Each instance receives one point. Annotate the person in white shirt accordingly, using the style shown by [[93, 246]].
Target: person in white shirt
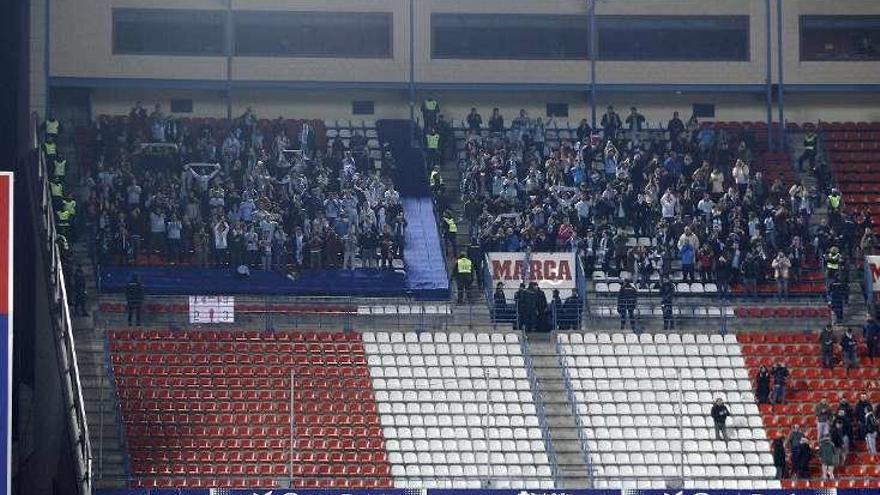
[[221, 230], [741, 176], [668, 204]]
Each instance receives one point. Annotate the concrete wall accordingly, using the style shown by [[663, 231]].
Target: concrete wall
[[81, 48]]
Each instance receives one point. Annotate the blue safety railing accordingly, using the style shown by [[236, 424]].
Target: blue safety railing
[[581, 431], [538, 397]]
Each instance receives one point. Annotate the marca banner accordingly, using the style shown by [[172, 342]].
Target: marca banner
[[549, 270], [211, 309], [872, 273], [6, 326]]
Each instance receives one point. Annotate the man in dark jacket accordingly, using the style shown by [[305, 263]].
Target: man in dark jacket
[[667, 293], [719, 414], [780, 376], [571, 310], [627, 299], [79, 293], [134, 298], [801, 460], [521, 302], [860, 412], [778, 447], [837, 298], [849, 346], [871, 334], [826, 345]]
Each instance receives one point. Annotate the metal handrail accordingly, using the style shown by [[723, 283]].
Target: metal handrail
[[120, 428], [71, 382], [538, 397], [579, 424]]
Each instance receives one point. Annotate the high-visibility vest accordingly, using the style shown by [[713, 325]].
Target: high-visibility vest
[[834, 201], [60, 168], [64, 217], [436, 178], [833, 262], [450, 225], [56, 189], [49, 148], [52, 127], [810, 142], [464, 266], [70, 206], [433, 141], [431, 104]]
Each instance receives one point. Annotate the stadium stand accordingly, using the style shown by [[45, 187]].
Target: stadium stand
[[214, 408], [809, 383], [601, 192], [854, 152], [456, 409], [644, 402]]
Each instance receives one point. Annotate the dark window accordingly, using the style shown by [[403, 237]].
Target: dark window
[[557, 109], [168, 32], [181, 105], [840, 37], [680, 38], [365, 107], [500, 36], [313, 34], [704, 110]]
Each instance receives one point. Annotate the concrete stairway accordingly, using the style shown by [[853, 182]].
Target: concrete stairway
[[572, 469]]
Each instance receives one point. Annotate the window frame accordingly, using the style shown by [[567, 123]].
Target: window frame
[[433, 40], [389, 16], [649, 18], [804, 19], [114, 50]]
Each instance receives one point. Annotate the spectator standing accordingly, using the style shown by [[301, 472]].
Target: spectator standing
[[780, 376], [871, 427], [828, 457], [794, 440], [801, 460], [499, 302], [778, 449], [849, 348], [781, 271], [823, 418], [611, 123], [496, 122], [826, 345], [809, 154], [675, 128], [430, 110], [79, 292], [667, 294], [859, 412], [627, 298], [719, 414], [762, 391], [134, 299], [837, 294], [474, 122]]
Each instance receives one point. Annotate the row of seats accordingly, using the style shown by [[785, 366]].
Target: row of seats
[[304, 448], [452, 404], [782, 312], [232, 336], [201, 348], [633, 399], [289, 309], [254, 482], [680, 287], [809, 384]]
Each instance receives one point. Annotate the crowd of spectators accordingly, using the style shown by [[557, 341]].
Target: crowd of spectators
[[692, 188], [246, 193], [837, 429]]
